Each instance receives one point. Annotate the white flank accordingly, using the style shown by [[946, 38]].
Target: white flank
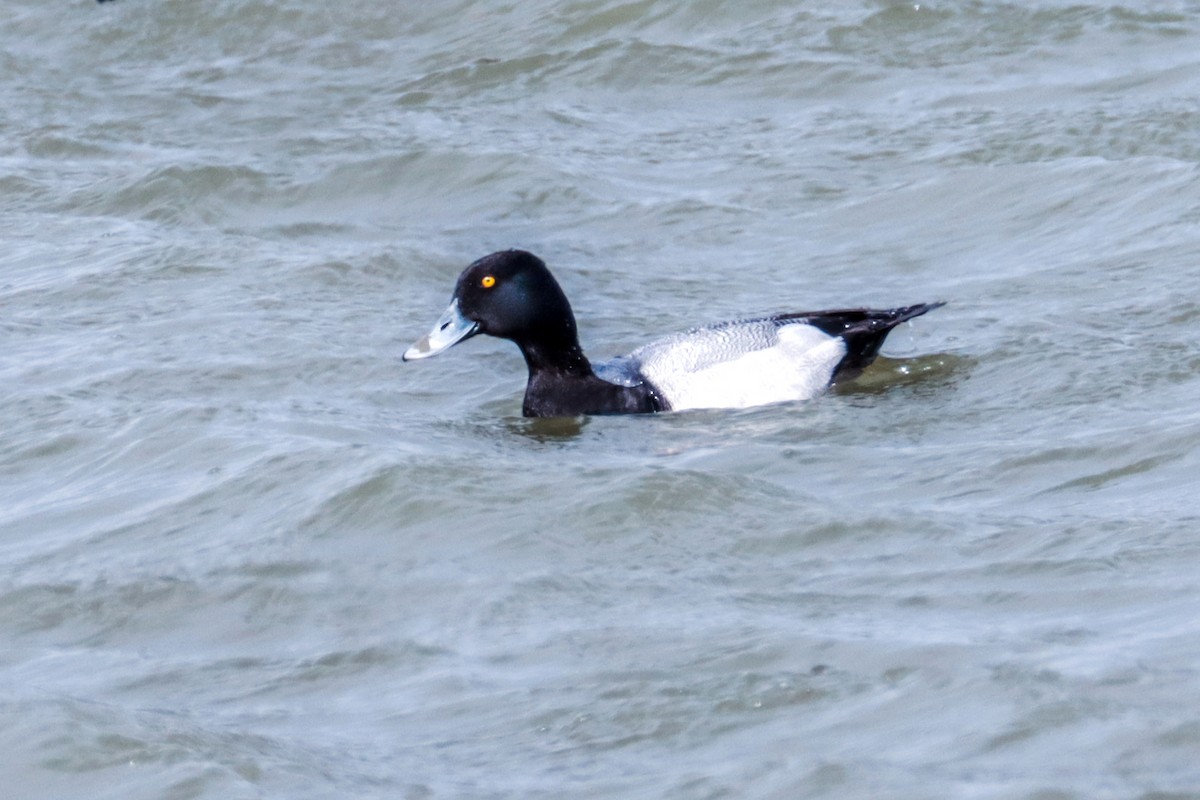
[[716, 371]]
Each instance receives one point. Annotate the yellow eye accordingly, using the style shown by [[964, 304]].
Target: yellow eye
[[488, 281]]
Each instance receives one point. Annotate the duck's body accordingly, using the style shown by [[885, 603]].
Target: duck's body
[[795, 356]]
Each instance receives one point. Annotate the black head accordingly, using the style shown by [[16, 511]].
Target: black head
[[511, 294]]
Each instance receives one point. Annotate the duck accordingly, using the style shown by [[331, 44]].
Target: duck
[[792, 356]]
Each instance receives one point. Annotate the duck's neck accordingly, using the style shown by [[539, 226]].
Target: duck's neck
[[564, 358]]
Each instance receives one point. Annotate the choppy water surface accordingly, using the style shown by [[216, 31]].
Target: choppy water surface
[[245, 552]]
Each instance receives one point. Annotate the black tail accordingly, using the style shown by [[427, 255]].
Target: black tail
[[863, 329]]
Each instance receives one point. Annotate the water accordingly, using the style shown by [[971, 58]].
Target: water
[[245, 552]]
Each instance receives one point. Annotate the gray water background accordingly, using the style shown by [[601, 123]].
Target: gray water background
[[247, 553]]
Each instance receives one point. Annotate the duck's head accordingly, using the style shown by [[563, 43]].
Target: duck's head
[[510, 294]]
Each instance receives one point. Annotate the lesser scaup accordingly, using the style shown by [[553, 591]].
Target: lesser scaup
[[795, 356]]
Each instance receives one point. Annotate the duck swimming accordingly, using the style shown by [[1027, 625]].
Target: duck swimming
[[793, 356]]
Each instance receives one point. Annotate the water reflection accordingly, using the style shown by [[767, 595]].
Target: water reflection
[[885, 374], [548, 429]]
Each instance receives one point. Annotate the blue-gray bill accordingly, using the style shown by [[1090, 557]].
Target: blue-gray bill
[[450, 329]]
